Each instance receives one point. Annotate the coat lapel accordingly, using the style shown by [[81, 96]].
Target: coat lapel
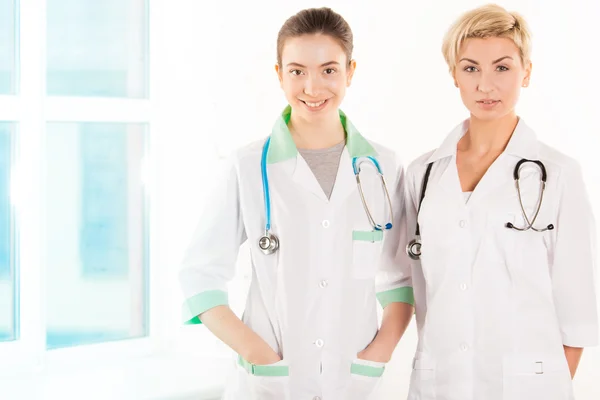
[[345, 181], [304, 177], [522, 144], [497, 175], [449, 181]]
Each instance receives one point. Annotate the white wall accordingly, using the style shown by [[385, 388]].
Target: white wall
[[401, 96]]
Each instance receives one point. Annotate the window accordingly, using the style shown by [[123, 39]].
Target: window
[[96, 209], [97, 48], [88, 290], [8, 312], [97, 233], [8, 57]]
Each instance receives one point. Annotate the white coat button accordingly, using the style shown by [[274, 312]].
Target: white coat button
[[464, 286], [319, 343], [325, 224], [316, 398], [464, 347], [463, 223], [323, 284]]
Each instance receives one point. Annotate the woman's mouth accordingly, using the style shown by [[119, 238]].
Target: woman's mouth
[[315, 106]]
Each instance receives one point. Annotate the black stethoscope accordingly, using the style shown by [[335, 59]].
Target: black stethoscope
[[413, 248]]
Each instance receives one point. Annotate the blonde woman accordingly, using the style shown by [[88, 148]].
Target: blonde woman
[[503, 270]]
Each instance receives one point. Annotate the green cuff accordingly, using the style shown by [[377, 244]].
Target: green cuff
[[264, 370], [398, 295], [194, 306], [367, 370]]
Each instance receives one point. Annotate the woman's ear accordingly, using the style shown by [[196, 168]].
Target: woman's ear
[[351, 69], [527, 77], [279, 74]]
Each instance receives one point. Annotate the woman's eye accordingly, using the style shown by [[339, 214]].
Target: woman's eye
[[502, 68], [330, 71], [471, 69], [295, 72]]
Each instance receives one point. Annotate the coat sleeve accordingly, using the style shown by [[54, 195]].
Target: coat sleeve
[[209, 261], [573, 262], [393, 280]]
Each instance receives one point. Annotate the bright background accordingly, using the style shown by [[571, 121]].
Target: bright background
[[114, 116]]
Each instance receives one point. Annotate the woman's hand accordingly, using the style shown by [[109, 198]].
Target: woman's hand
[[375, 353], [396, 317], [262, 356]]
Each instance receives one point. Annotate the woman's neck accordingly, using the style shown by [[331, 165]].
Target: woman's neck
[[488, 136], [321, 134]]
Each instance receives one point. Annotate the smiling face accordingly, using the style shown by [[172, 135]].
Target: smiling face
[[490, 73], [314, 74]]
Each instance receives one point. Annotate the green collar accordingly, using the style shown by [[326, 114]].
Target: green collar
[[282, 146]]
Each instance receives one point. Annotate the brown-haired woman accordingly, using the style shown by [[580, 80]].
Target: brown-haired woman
[[326, 237]]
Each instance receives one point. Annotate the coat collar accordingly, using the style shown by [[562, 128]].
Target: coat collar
[[282, 146], [523, 142]]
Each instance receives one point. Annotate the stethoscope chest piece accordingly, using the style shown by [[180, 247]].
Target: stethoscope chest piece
[[268, 243], [413, 249]]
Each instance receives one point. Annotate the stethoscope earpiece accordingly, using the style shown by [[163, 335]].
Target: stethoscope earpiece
[[548, 228]]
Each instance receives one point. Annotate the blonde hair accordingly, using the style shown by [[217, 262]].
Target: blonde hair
[[485, 22]]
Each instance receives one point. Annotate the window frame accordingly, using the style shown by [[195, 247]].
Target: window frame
[[31, 109]]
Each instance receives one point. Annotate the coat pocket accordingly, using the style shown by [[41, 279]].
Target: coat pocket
[[267, 382], [364, 379], [422, 380], [366, 250], [528, 376]]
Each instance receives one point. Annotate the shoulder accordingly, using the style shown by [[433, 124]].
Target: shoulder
[[247, 155], [555, 157], [421, 161], [416, 169], [560, 166], [387, 156]]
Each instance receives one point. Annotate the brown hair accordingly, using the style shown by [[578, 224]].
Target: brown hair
[[316, 21]]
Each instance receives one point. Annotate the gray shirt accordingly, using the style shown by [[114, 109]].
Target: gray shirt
[[324, 164]]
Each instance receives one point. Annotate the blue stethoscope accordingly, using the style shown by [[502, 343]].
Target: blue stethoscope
[[269, 243]]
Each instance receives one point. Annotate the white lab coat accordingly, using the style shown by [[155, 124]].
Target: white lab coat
[[495, 306], [313, 301]]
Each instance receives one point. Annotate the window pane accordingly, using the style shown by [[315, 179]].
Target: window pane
[[7, 47], [7, 234], [97, 48], [96, 233]]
